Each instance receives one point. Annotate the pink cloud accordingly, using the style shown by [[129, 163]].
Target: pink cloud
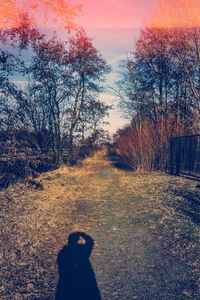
[[115, 13]]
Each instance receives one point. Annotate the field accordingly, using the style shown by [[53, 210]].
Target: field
[[145, 229]]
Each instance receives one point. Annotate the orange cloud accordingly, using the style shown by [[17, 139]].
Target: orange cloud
[[9, 14], [176, 13], [39, 11]]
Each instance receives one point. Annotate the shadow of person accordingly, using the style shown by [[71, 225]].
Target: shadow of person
[[76, 276]]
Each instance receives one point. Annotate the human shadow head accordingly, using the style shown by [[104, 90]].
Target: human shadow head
[[76, 276], [73, 238]]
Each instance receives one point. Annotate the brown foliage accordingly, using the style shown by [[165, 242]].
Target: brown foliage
[[146, 147]]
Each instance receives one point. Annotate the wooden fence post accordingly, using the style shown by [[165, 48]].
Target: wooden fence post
[[178, 148], [171, 157], [190, 155]]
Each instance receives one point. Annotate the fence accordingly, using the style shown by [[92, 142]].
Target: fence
[[185, 155]]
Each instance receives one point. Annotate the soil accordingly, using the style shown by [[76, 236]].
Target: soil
[[145, 229]]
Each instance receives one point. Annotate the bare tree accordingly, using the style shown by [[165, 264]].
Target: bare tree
[[62, 80], [161, 78]]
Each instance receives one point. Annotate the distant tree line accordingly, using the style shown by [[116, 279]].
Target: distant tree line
[[159, 92], [49, 89]]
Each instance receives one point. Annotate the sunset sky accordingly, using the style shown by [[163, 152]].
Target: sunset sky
[[113, 24], [115, 13]]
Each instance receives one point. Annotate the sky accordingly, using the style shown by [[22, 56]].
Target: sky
[[115, 13], [114, 25]]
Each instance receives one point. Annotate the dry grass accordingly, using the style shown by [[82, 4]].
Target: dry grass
[[109, 204]]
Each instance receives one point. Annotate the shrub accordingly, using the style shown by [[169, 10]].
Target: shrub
[[146, 146]]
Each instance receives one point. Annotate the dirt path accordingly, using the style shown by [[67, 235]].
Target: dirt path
[[145, 228]]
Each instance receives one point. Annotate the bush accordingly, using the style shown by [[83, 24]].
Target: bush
[[146, 146]]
